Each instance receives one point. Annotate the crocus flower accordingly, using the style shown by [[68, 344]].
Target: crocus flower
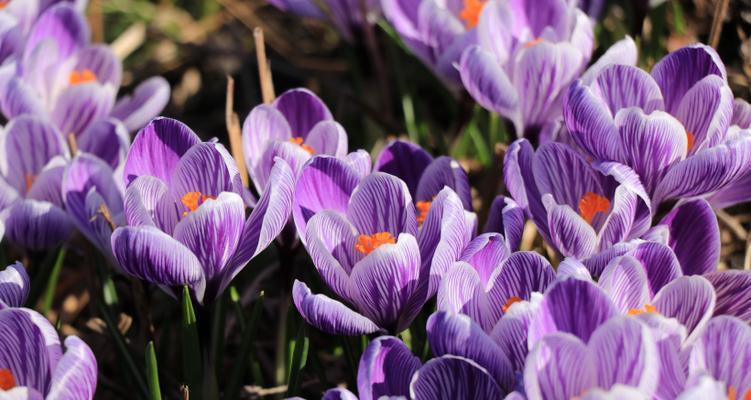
[[375, 256], [348, 16], [185, 212], [33, 162], [528, 52], [296, 126], [670, 127], [74, 83], [738, 191], [34, 365], [578, 207], [507, 218], [14, 286]]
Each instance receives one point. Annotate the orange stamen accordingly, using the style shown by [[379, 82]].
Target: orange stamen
[[690, 140], [648, 309], [510, 302], [533, 42], [299, 141], [471, 12], [423, 207], [83, 76], [7, 381], [193, 200], [367, 243], [4, 3], [29, 178], [731, 392], [592, 203]]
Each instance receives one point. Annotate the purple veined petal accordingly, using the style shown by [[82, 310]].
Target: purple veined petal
[[205, 169], [25, 348], [438, 27], [627, 178], [36, 225], [23, 13], [14, 285], [522, 274], [385, 369], [650, 143], [741, 114], [383, 283], [583, 35], [562, 172], [506, 217], [295, 155], [733, 289], [297, 7], [572, 306], [694, 236], [487, 82], [338, 394], [492, 32], [264, 124], [143, 202], [707, 171], [680, 70], [145, 103], [331, 242], [101, 223], [619, 222], [569, 233], [402, 14], [462, 291], [29, 143], [559, 366], [19, 98], [669, 335], [625, 281], [535, 19], [590, 122], [382, 203], [22, 393], [46, 186], [738, 191], [705, 111], [659, 262], [324, 183], [446, 62], [444, 171], [597, 263], [212, 233], [266, 221], [101, 60], [455, 378], [360, 161], [75, 376], [571, 268], [518, 166], [405, 160], [157, 149], [485, 254], [80, 105], [302, 109], [150, 254], [107, 139], [724, 353], [328, 137], [617, 392], [510, 333], [457, 334], [705, 388], [328, 315], [65, 26], [622, 52], [625, 86], [690, 300]]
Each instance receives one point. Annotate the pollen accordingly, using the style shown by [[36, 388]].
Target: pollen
[[592, 203], [193, 200], [367, 243], [422, 208], [82, 76], [299, 141], [7, 381], [29, 180], [648, 309], [689, 141], [471, 12], [533, 42], [510, 302]]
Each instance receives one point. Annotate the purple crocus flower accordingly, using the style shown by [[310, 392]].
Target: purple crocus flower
[[527, 54], [296, 126], [33, 162], [14, 286], [507, 218], [670, 127], [370, 250], [185, 211], [578, 207], [348, 16], [34, 365], [738, 191]]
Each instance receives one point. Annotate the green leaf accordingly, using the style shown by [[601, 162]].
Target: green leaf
[[299, 360], [152, 373], [49, 293], [190, 346]]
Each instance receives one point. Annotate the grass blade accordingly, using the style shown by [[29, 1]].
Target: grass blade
[[299, 360], [246, 347], [190, 346], [152, 373], [49, 293], [122, 348]]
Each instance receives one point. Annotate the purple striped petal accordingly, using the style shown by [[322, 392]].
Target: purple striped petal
[[263, 125], [206, 168], [360, 162], [328, 315], [506, 217], [511, 331], [444, 171], [19, 98], [741, 114], [733, 289], [338, 394], [659, 262], [485, 254], [486, 81], [724, 353], [331, 242], [145, 103], [562, 172], [382, 203], [25, 348], [522, 274], [75, 376], [706, 111], [101, 60], [559, 367], [404, 159], [14, 285], [29, 144], [290, 152], [107, 139], [625, 281], [328, 137], [624, 86], [455, 378], [590, 122], [65, 26], [79, 106], [143, 203], [569, 232], [690, 300], [694, 236], [622, 52], [303, 110], [36, 225], [385, 369]]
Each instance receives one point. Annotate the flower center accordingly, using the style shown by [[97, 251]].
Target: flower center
[[689, 140], [471, 12], [367, 243], [510, 302], [7, 381], [29, 181], [422, 207], [592, 203], [533, 42], [647, 309], [298, 141], [193, 200], [83, 76]]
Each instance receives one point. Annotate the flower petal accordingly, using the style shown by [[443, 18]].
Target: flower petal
[[559, 366], [625, 281], [303, 110], [694, 236], [328, 137], [328, 315], [569, 233], [331, 244], [145, 103], [506, 217], [79, 106], [14, 285], [382, 203], [107, 139], [444, 171], [706, 111], [75, 376], [690, 300], [487, 82], [29, 143], [62, 24], [101, 60], [206, 168], [733, 289], [522, 274], [24, 348], [659, 262], [37, 225], [385, 369], [405, 160], [455, 378], [724, 353]]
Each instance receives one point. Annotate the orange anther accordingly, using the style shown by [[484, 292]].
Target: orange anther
[[592, 203], [510, 302], [7, 381], [533, 42], [193, 200], [299, 141], [83, 76], [471, 12], [29, 180], [422, 207], [647, 309], [689, 140], [367, 243]]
